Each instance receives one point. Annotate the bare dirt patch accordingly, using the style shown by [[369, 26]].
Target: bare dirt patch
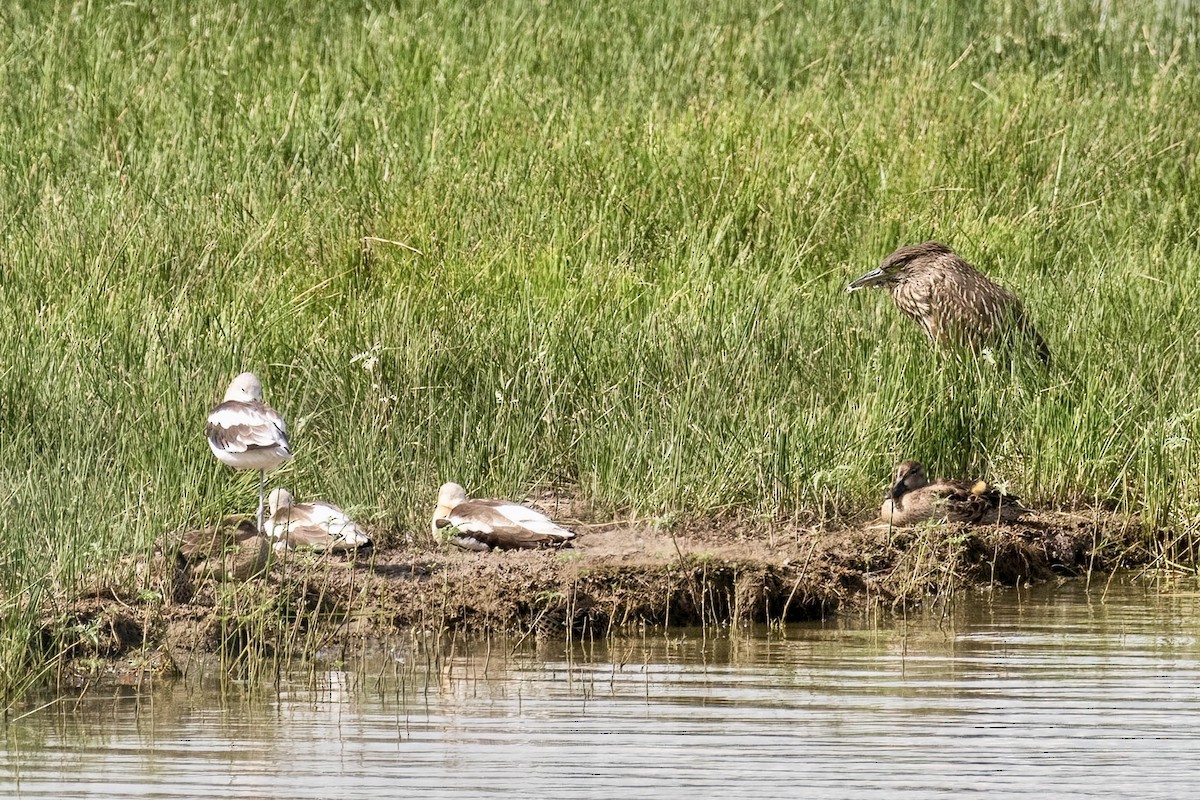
[[726, 571]]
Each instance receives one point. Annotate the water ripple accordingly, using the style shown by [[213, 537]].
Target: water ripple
[[1058, 692]]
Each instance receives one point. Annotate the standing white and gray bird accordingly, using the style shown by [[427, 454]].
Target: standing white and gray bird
[[319, 526], [474, 524], [247, 434]]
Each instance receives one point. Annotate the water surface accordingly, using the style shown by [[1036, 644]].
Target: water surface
[[1059, 691]]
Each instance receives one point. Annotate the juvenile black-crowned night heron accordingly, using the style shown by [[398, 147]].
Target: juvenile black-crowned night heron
[[914, 499], [952, 301]]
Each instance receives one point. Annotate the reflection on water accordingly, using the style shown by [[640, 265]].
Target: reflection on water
[[1055, 691]]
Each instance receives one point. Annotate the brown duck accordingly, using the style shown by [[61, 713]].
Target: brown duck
[[232, 550], [914, 499]]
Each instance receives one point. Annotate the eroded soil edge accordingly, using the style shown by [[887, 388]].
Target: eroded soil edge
[[713, 572]]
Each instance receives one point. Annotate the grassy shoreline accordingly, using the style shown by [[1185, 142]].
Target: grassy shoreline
[[719, 574], [625, 234]]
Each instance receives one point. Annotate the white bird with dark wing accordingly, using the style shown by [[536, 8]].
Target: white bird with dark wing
[[493, 524], [319, 526], [247, 434]]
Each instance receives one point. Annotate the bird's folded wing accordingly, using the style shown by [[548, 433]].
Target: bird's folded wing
[[528, 518], [479, 535], [238, 427], [319, 538], [307, 536], [326, 515]]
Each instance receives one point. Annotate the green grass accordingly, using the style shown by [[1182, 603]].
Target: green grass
[[634, 224]]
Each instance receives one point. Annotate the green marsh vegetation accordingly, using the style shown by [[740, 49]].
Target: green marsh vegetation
[[600, 247]]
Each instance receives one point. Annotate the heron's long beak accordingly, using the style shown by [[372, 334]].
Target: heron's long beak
[[872, 278]]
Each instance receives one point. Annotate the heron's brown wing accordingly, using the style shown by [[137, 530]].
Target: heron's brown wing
[[966, 307], [976, 311]]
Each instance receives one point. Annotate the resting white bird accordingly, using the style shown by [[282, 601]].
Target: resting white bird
[[320, 526], [493, 524], [247, 434]]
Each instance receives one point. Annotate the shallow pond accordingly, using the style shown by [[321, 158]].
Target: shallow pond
[[1064, 691]]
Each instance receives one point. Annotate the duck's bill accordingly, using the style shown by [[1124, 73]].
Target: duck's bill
[[872, 278]]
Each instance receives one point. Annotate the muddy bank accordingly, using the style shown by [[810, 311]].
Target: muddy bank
[[727, 571]]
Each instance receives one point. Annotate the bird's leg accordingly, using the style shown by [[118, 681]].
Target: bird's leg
[[262, 484]]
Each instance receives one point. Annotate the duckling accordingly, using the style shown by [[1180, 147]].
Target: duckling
[[493, 524], [319, 526], [914, 499]]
